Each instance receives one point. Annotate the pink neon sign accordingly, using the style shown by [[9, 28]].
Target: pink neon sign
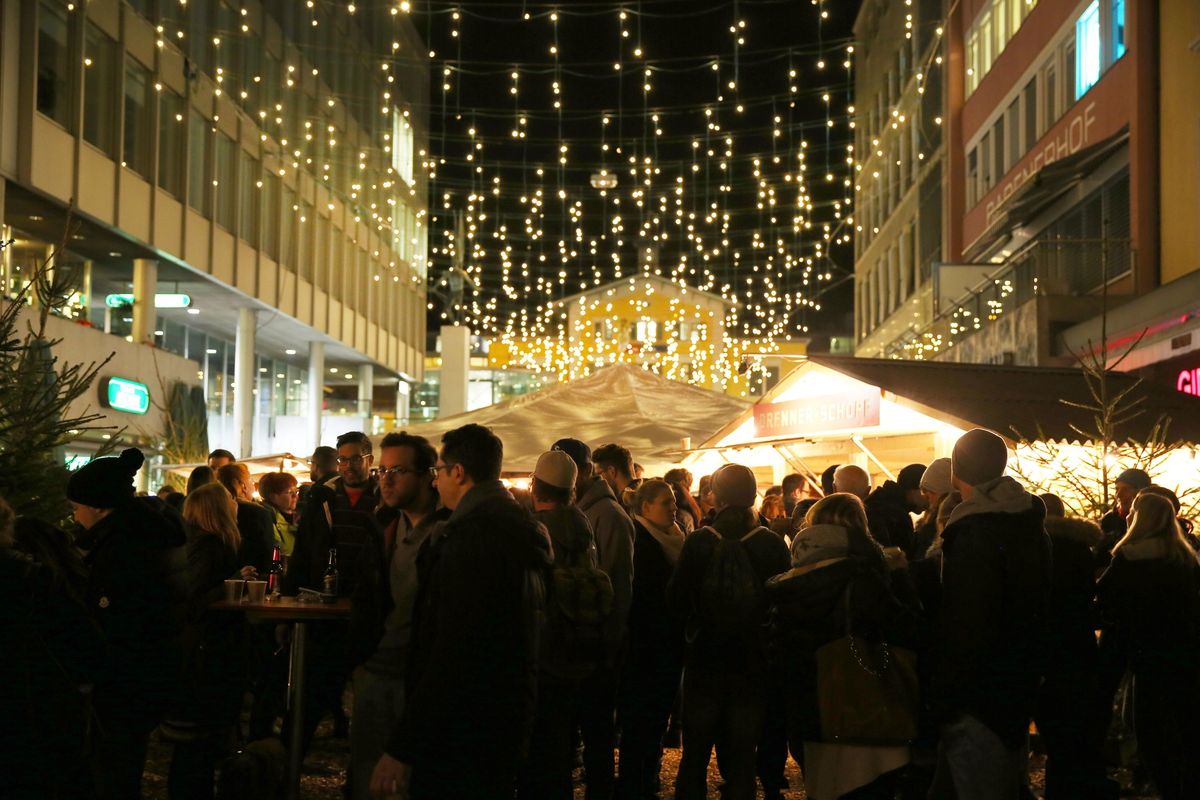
[[1188, 382]]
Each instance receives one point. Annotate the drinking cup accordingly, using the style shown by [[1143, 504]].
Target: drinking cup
[[257, 591], [233, 590]]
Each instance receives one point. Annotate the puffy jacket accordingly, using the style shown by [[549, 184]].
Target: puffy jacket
[[612, 529]]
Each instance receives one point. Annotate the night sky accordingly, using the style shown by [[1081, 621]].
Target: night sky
[[527, 250]]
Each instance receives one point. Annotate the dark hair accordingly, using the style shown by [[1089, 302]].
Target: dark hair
[[424, 456], [324, 457], [355, 437], [546, 493], [221, 453], [792, 483], [801, 509], [678, 474], [614, 455], [478, 450], [175, 500], [274, 482], [1163, 491], [200, 476], [773, 491], [827, 478], [1054, 505]]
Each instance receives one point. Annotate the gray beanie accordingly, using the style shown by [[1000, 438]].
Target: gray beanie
[[734, 485], [979, 456], [936, 478]]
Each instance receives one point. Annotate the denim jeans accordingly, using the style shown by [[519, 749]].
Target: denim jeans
[[725, 709], [974, 764], [378, 703]]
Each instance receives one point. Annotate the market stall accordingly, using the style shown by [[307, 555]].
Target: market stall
[[883, 414]]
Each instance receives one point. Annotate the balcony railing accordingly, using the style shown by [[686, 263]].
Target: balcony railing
[[1070, 267]]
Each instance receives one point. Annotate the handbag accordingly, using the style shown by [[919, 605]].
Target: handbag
[[867, 693]]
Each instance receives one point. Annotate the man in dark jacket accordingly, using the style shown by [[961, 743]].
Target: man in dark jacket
[[991, 646], [1114, 523], [382, 609], [137, 593], [340, 517], [891, 506], [724, 695], [472, 679], [612, 530]]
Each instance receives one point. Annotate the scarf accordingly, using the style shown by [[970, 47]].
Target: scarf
[[1003, 495], [669, 539], [820, 543]]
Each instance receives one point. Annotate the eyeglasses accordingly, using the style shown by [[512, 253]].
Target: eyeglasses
[[352, 459], [439, 467], [395, 472]]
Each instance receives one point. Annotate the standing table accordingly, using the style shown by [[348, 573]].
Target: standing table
[[290, 610]]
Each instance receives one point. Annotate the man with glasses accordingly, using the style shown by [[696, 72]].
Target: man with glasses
[[340, 516], [472, 676], [381, 616]]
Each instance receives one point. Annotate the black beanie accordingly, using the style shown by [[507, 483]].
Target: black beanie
[[979, 456], [910, 477], [105, 482]]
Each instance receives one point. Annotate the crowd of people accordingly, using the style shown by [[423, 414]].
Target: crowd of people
[[895, 641]]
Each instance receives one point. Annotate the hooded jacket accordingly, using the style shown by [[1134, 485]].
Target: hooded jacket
[[472, 674], [137, 593], [613, 532], [996, 585], [1071, 622]]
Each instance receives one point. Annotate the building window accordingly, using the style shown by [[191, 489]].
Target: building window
[[1049, 96], [197, 163], [1118, 28], [1087, 49], [54, 75], [138, 145], [972, 177], [402, 147], [645, 330], [100, 76], [225, 181], [269, 198], [1029, 112], [170, 142], [291, 231], [249, 195]]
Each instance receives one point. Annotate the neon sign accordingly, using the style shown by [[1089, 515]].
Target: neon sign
[[123, 394], [1188, 382]]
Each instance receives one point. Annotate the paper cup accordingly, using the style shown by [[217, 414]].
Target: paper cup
[[257, 591], [233, 591]]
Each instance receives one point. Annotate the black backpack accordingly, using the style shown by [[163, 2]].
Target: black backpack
[[732, 595]]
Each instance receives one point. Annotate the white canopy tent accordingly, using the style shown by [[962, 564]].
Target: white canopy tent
[[649, 414]]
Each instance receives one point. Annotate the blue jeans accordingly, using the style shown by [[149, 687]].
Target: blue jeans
[[974, 764]]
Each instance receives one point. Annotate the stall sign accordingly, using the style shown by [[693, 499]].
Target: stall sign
[[123, 394], [1188, 382], [831, 412]]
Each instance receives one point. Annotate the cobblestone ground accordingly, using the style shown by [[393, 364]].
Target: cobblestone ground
[[323, 773]]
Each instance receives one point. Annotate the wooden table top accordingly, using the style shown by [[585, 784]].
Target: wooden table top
[[284, 609]]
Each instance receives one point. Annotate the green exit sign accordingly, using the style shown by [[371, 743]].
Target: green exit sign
[[123, 394]]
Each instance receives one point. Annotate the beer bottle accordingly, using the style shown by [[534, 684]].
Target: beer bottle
[[331, 574], [276, 574]]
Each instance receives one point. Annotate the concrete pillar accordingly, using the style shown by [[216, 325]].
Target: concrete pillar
[[245, 378], [145, 286], [366, 389], [456, 369], [403, 400], [316, 389]]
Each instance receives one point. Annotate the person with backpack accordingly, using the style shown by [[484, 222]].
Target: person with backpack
[[650, 679], [580, 599], [719, 586]]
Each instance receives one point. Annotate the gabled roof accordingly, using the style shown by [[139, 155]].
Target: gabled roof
[[635, 280], [1016, 400]]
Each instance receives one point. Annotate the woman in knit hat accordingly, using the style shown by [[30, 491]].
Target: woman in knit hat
[[136, 590]]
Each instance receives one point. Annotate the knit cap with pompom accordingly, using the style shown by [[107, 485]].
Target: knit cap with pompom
[[106, 482]]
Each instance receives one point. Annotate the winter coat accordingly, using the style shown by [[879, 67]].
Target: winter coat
[[769, 557], [996, 585], [1071, 623], [612, 530], [888, 517], [137, 593], [809, 611], [353, 525], [216, 657], [256, 525], [572, 546], [655, 630], [51, 651], [1153, 604], [472, 674]]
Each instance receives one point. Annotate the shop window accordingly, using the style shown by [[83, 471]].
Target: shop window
[[54, 69], [138, 145], [170, 142], [1087, 49], [198, 163], [101, 72]]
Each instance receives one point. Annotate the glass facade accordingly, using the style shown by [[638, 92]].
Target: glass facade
[[54, 63]]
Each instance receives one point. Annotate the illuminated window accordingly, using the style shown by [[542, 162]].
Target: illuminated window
[[402, 147], [1087, 49], [1118, 28], [646, 330]]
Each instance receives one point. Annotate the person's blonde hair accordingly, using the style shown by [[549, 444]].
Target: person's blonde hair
[[212, 509], [772, 507], [650, 490], [1152, 518], [840, 508]]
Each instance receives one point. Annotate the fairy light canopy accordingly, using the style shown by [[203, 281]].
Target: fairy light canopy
[[578, 144]]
